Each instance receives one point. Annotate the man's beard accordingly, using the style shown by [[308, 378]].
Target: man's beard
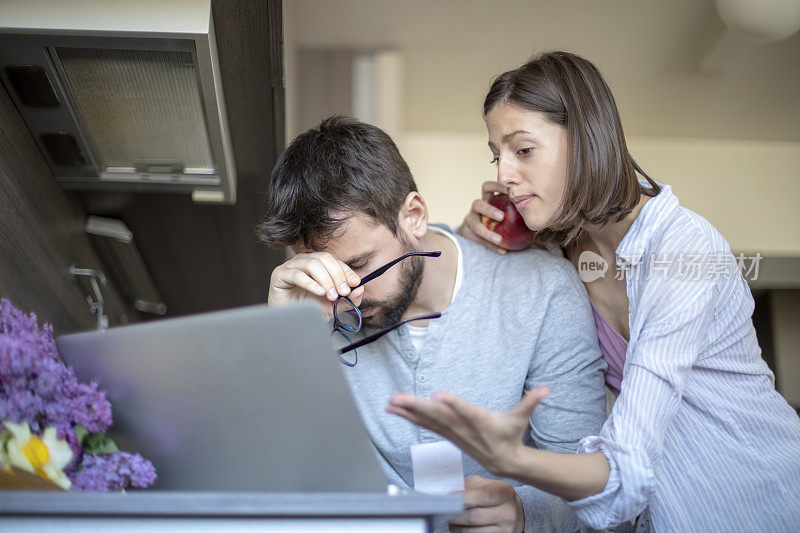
[[391, 311]]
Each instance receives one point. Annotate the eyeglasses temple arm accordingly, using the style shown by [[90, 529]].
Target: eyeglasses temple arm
[[377, 272], [377, 335]]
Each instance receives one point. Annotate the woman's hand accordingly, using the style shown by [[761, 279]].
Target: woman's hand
[[472, 228], [492, 438]]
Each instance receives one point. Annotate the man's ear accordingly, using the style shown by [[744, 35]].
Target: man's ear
[[413, 216]]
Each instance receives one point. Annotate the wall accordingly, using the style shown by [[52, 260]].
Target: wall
[[41, 233], [747, 189]]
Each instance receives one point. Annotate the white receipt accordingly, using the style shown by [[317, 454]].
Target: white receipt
[[437, 467]]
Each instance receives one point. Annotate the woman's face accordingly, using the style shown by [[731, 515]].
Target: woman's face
[[531, 157]]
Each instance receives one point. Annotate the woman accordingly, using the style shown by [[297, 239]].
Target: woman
[[698, 438]]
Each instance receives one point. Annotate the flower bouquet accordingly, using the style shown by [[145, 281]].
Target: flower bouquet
[[51, 426]]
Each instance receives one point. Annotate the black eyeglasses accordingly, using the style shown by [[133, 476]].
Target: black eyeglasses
[[347, 317]]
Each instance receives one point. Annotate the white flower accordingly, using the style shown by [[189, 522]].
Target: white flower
[[46, 456]]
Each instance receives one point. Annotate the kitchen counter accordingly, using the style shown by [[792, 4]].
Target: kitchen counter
[[231, 511]]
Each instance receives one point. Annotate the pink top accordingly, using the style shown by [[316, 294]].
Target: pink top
[[613, 346]]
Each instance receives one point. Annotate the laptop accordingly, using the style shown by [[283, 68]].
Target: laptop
[[249, 399]]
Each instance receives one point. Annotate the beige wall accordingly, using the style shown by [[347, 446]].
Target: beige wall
[[747, 189], [673, 69]]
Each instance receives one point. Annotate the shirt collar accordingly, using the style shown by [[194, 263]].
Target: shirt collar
[[637, 240]]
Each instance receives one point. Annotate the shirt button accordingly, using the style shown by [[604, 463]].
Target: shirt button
[[423, 379]]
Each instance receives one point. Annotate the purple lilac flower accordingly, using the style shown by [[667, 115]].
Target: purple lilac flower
[[38, 388], [113, 472]]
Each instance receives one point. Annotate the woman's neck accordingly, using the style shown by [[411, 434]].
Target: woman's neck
[[607, 238]]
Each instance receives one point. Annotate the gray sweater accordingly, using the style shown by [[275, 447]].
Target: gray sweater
[[518, 321]]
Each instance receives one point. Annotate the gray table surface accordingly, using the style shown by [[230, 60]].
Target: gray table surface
[[226, 504]]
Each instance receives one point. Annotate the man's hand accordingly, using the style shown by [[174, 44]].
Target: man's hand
[[316, 276], [494, 506]]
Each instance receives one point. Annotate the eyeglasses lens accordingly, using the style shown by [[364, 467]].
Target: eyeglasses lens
[[340, 340], [347, 316]]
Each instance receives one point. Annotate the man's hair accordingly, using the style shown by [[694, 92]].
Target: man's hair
[[329, 173], [601, 185]]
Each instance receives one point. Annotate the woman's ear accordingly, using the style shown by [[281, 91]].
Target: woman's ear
[[413, 216]]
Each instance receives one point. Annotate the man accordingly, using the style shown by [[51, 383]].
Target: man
[[345, 201]]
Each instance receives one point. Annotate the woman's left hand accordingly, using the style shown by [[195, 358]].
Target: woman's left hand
[[493, 438]]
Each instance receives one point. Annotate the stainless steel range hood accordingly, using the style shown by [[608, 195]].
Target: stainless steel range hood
[[121, 95]]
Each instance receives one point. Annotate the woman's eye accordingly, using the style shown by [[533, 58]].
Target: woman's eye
[[524, 152], [494, 161], [359, 266]]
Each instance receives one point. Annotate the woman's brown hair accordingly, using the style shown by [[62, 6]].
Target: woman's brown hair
[[601, 184]]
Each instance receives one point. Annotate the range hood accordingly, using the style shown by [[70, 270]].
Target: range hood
[[121, 95]]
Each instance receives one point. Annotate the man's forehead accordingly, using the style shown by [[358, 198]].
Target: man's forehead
[[346, 254], [357, 238]]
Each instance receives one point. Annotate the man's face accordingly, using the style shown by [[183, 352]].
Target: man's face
[[364, 245]]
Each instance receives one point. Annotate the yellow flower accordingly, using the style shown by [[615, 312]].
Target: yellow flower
[[46, 456]]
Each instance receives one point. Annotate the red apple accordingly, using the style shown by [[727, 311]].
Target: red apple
[[516, 235]]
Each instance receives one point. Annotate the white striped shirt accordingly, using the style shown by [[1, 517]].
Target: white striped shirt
[[698, 434]]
